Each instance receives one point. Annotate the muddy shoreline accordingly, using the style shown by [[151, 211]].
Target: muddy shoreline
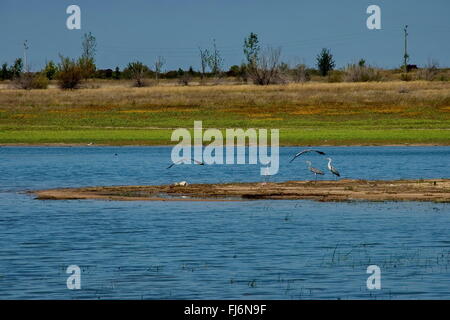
[[434, 190]]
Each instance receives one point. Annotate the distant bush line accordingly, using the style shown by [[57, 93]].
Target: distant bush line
[[262, 66]]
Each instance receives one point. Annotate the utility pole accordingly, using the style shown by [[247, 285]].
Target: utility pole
[[25, 48], [406, 56]]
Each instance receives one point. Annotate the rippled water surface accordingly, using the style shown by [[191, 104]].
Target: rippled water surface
[[217, 250]]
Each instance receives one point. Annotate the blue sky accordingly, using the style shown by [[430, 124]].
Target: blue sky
[[129, 30]]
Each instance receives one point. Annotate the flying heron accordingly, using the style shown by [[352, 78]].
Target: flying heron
[[332, 169], [200, 163], [306, 151], [314, 170]]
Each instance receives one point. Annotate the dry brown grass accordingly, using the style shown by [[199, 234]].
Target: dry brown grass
[[317, 106]]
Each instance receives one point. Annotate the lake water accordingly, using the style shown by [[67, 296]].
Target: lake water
[[217, 250]]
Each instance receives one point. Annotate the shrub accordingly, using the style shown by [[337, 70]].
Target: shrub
[[136, 71], [87, 67], [405, 77], [70, 74], [301, 73], [184, 79], [40, 81], [267, 68], [430, 72], [335, 76], [362, 73], [29, 80]]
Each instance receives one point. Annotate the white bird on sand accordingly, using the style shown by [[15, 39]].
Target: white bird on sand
[[306, 151], [200, 163], [332, 169], [314, 170]]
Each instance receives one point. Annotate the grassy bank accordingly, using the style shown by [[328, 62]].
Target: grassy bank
[[315, 113]]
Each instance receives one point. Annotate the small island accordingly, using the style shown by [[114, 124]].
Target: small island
[[433, 190]]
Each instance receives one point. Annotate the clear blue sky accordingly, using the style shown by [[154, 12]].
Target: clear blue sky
[[142, 29]]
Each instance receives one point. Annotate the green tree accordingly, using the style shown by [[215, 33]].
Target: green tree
[[116, 74], [251, 49], [16, 68], [50, 70], [4, 72], [325, 62]]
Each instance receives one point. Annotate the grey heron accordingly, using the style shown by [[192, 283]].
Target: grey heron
[[306, 151], [314, 170], [200, 163], [332, 169]]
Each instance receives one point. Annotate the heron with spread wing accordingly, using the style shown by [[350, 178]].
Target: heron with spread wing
[[306, 151], [200, 163]]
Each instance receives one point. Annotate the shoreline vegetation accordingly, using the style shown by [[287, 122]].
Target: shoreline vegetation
[[435, 190], [312, 113]]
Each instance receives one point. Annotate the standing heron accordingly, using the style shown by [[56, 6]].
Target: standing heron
[[332, 169], [306, 151], [314, 170]]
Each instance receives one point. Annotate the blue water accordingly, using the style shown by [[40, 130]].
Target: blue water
[[217, 250]]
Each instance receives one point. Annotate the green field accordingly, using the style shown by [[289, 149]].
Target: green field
[[306, 114]]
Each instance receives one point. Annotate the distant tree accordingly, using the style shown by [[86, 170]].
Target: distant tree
[[159, 63], [89, 46], [184, 77], [325, 62], [50, 70], [251, 49], [267, 69], [215, 60], [172, 74], [362, 63], [87, 59], [116, 74], [301, 73], [137, 72], [204, 58], [4, 72], [234, 71], [17, 68], [104, 73]]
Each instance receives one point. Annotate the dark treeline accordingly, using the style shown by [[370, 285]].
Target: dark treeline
[[261, 66]]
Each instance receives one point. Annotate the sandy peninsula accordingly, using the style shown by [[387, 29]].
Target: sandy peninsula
[[436, 190]]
